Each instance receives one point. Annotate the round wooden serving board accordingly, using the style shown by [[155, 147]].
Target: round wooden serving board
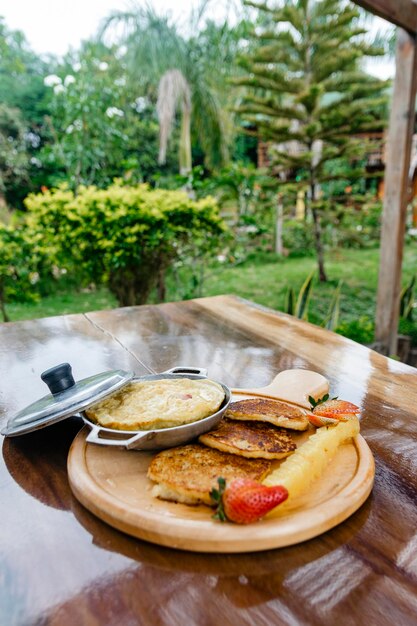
[[112, 484]]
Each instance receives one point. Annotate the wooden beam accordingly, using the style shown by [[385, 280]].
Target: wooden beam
[[400, 135], [402, 13]]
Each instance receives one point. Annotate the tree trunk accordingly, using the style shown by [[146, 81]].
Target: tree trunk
[[241, 200], [185, 142], [161, 286], [77, 176], [317, 236], [3, 208], [300, 207], [278, 225], [132, 287], [6, 318]]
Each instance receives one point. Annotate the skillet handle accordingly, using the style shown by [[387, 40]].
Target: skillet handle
[[200, 371], [129, 443]]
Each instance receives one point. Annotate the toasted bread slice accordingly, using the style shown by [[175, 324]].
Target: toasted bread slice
[[253, 440], [188, 473], [268, 410]]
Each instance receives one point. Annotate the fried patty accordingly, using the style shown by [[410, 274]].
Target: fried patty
[[267, 410], [159, 403], [254, 440], [188, 473]]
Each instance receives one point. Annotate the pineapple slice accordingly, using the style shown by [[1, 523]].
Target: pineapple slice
[[310, 460]]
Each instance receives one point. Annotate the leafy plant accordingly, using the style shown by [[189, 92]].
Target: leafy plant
[[299, 307], [190, 70], [23, 107], [297, 238], [89, 118], [332, 319], [314, 403], [289, 306], [14, 159], [407, 324], [407, 300], [23, 259], [408, 327], [361, 330], [125, 237], [303, 298], [353, 221]]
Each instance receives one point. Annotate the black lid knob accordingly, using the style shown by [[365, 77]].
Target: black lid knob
[[58, 378]]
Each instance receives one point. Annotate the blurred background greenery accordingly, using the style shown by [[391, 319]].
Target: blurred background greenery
[[158, 162]]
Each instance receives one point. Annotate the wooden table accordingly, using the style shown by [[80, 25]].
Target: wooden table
[[62, 566]]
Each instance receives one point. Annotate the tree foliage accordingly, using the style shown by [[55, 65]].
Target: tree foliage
[[205, 59], [23, 105], [309, 96], [101, 127], [14, 159], [21, 76]]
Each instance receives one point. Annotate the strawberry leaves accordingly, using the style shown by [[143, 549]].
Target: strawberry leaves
[[314, 403], [329, 411], [217, 497]]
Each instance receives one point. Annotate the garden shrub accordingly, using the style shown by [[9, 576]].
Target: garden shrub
[[125, 237], [408, 327], [23, 261], [356, 223], [297, 237], [361, 330]]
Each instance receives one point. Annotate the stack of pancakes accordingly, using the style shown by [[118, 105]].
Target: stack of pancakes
[[250, 436]]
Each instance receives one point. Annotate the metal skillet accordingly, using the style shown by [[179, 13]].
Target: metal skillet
[[68, 398], [158, 439]]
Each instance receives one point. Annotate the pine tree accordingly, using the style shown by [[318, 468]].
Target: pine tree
[[308, 96]]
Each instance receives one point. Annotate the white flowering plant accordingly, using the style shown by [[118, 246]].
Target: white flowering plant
[[101, 127]]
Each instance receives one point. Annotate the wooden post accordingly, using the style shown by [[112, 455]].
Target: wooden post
[[397, 181], [402, 13]]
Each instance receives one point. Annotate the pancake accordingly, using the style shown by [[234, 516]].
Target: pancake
[[268, 410], [154, 404], [253, 440], [188, 473]]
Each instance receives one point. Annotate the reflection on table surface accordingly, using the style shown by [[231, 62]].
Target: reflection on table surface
[[62, 565]]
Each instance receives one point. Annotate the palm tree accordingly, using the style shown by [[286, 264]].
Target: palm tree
[[190, 70], [173, 88]]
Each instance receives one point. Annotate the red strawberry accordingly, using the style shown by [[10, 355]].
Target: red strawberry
[[318, 421], [245, 501], [335, 409]]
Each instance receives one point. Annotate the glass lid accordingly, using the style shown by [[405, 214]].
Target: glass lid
[[67, 398]]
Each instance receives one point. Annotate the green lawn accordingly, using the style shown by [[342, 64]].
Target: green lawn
[[260, 280], [62, 303], [267, 284]]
